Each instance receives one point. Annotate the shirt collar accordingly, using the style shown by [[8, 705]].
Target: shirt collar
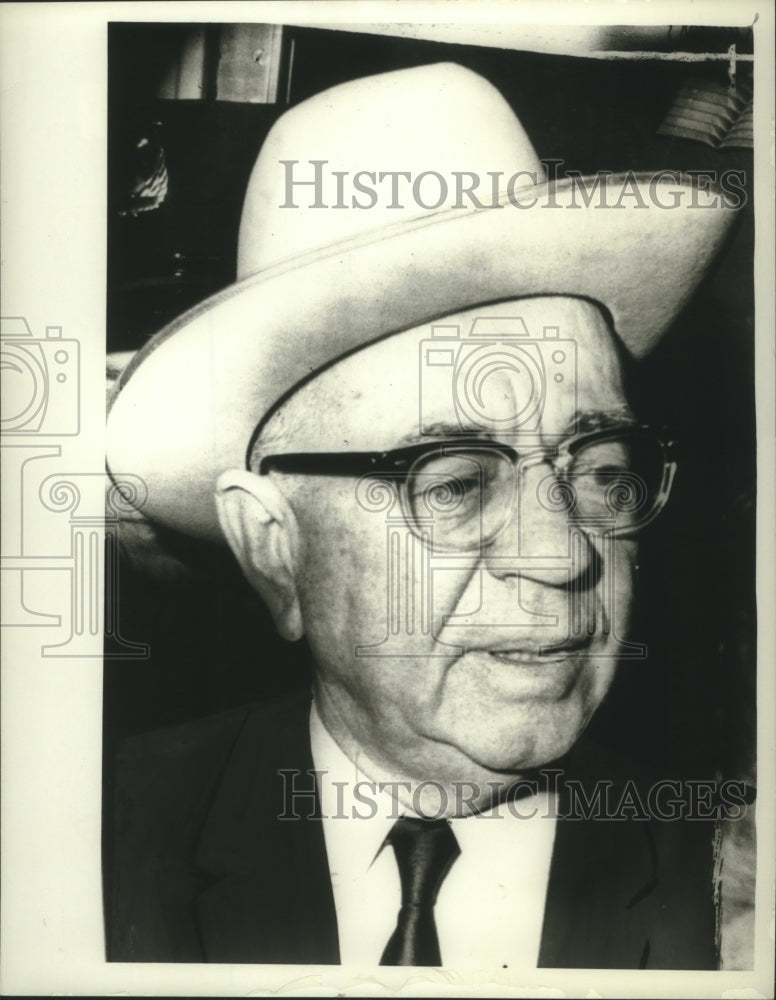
[[353, 804]]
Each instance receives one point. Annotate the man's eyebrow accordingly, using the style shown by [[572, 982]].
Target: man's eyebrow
[[441, 429], [582, 422]]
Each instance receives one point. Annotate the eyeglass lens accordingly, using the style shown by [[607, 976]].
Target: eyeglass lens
[[467, 495]]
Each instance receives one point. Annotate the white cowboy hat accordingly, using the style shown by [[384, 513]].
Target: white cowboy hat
[[315, 283]]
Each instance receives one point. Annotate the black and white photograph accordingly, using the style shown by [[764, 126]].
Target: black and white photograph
[[390, 542]]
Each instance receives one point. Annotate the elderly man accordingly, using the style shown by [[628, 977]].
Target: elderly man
[[408, 419]]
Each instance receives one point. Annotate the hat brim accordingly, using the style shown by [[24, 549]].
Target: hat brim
[[185, 408]]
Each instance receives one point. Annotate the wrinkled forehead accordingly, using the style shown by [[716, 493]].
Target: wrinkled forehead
[[519, 368]]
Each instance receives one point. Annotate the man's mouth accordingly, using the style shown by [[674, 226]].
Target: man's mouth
[[543, 653]]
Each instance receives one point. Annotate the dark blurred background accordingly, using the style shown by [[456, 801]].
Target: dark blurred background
[[178, 168]]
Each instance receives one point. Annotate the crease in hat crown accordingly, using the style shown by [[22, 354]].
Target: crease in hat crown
[[314, 284]]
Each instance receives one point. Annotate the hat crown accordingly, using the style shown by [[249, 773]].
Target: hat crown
[[352, 276], [418, 139]]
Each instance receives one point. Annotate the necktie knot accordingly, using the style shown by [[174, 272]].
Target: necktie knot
[[425, 851]]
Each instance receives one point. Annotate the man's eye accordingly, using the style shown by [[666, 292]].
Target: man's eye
[[449, 486], [604, 459], [603, 473], [452, 499]]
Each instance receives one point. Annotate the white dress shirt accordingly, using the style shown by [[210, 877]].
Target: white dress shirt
[[490, 907]]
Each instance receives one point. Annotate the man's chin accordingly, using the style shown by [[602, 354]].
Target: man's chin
[[516, 717], [516, 752]]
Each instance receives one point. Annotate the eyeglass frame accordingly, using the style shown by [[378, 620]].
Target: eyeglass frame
[[402, 460]]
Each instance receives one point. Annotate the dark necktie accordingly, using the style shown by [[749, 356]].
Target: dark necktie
[[425, 851]]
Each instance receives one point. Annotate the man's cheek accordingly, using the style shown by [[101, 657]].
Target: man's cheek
[[454, 590], [402, 595], [367, 602], [625, 571]]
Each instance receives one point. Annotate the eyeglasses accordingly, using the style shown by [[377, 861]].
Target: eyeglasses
[[459, 495]]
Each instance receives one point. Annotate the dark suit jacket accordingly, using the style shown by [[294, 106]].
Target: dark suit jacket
[[199, 868]]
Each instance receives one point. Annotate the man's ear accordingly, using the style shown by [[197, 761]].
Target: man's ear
[[262, 531]]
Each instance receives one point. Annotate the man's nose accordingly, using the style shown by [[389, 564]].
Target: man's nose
[[540, 542]]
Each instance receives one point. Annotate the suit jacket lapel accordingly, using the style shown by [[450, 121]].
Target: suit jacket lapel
[[601, 900], [269, 897]]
